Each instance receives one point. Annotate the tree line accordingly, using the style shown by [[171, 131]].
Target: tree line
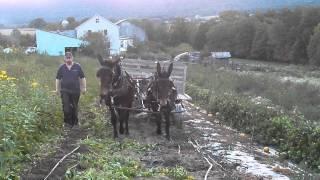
[[286, 35]]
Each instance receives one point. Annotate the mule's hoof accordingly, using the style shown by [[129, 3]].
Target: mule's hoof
[[159, 132], [121, 131], [168, 137]]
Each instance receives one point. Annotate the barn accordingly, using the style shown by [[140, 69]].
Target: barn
[[55, 44]]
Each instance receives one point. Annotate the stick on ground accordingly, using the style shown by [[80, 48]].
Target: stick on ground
[[61, 161]]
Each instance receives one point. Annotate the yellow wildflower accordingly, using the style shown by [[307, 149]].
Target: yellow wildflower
[[11, 78], [190, 178], [3, 72], [3, 77], [34, 84]]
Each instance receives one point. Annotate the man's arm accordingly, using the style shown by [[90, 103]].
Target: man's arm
[[58, 86], [83, 85]]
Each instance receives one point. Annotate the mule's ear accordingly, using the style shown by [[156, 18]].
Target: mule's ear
[[100, 59], [170, 69], [158, 68]]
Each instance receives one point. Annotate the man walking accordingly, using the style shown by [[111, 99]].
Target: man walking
[[70, 81]]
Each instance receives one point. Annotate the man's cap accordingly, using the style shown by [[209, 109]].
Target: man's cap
[[68, 55]]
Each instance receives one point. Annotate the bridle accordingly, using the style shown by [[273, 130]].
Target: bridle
[[157, 88], [116, 81]]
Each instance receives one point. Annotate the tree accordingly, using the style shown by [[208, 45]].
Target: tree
[[278, 38], [71, 19], [38, 23], [96, 43], [15, 37], [178, 32], [243, 37], [72, 23], [27, 40], [260, 48], [5, 41], [53, 26], [314, 47], [200, 37], [220, 37], [232, 16]]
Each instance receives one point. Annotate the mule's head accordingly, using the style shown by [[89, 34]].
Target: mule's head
[[164, 86], [106, 74]]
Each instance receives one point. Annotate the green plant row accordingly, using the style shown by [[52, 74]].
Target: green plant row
[[29, 116], [297, 138], [109, 159]]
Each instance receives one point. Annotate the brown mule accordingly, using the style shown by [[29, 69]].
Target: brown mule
[[116, 90]]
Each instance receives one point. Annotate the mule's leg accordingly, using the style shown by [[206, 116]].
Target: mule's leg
[[126, 119], [157, 116], [166, 113], [114, 122], [121, 118]]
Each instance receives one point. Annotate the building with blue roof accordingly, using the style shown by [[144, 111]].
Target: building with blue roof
[[54, 44]]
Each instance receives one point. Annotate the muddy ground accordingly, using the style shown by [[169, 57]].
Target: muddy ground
[[197, 143]]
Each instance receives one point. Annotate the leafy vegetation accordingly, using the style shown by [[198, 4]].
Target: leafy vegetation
[[301, 98], [118, 160], [30, 113], [110, 159], [243, 109], [30, 116]]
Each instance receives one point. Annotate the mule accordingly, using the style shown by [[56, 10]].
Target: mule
[[161, 97], [116, 91]]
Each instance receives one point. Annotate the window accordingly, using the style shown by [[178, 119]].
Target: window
[[105, 32], [97, 20]]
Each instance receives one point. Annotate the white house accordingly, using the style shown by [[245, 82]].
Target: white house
[[100, 24], [129, 33], [125, 42]]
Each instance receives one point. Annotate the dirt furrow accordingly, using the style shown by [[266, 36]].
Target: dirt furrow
[[69, 142]]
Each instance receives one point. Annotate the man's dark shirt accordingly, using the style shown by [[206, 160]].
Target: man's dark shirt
[[70, 78]]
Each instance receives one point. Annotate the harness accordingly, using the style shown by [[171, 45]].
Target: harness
[[153, 90], [117, 82]]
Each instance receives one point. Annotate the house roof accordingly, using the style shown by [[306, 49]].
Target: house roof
[[121, 21], [94, 17], [69, 33], [55, 33], [125, 37]]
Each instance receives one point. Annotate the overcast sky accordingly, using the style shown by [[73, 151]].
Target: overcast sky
[[48, 3]]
